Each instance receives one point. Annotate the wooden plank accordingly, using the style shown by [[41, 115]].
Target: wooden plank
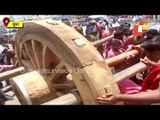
[[37, 52], [64, 86], [101, 41], [30, 54], [7, 89], [68, 99], [11, 73], [128, 73], [43, 57], [120, 58]]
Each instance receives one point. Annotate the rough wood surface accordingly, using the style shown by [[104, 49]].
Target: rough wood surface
[[101, 41], [75, 51], [31, 88], [68, 99], [11, 73], [7, 89], [130, 72], [120, 58]]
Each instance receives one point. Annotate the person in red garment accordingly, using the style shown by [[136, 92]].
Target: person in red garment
[[149, 91]]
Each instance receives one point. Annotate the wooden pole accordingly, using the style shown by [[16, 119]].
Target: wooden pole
[[6, 89], [11, 73], [68, 99], [120, 58], [129, 72], [101, 41]]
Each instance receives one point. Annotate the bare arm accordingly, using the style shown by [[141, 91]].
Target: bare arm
[[140, 98]]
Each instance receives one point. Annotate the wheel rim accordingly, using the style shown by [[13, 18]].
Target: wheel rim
[[60, 39]]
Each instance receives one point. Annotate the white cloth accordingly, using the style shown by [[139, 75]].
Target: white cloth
[[1, 50]]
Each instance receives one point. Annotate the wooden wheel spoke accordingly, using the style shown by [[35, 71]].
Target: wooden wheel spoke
[[28, 64], [29, 52], [37, 51], [50, 59], [58, 73], [43, 57], [24, 54]]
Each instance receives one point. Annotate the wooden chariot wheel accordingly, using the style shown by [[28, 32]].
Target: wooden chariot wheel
[[45, 48]]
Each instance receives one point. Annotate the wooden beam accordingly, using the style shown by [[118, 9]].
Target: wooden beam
[[11, 73], [120, 58], [68, 99], [129, 72], [6, 89], [101, 41]]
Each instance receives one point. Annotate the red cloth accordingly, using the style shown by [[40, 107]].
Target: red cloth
[[4, 68], [152, 80]]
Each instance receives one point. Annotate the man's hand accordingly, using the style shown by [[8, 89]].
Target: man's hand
[[148, 62], [108, 99]]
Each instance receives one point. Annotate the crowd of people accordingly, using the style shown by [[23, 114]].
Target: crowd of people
[[134, 91], [7, 62]]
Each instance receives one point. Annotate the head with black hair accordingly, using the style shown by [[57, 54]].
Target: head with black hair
[[151, 33], [127, 32], [118, 35], [118, 29], [116, 44], [126, 26], [152, 48]]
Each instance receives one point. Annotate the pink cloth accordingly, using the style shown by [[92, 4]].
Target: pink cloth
[[4, 68], [129, 87], [112, 53]]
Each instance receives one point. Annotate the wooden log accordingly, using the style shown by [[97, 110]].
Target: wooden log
[[68, 99], [64, 86], [101, 41], [120, 58], [31, 88], [11, 73], [7, 89], [129, 72]]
